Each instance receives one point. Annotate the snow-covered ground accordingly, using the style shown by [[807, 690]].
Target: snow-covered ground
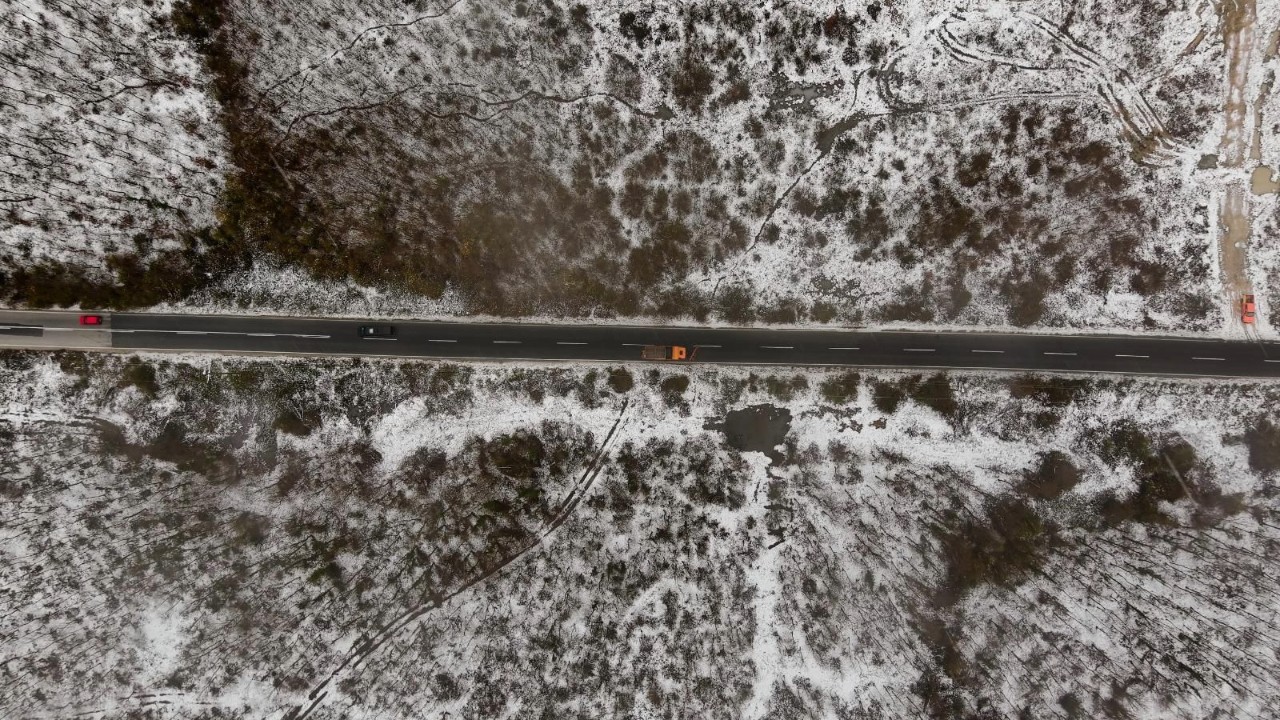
[[111, 143], [917, 164], [514, 541], [921, 164]]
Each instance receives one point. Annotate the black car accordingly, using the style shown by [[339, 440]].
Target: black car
[[377, 331]]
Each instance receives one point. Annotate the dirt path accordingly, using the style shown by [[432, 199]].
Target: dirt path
[[1235, 216], [1233, 240], [1238, 17]]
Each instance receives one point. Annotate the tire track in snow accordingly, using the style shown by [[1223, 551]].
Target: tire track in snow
[[1139, 122], [366, 648]]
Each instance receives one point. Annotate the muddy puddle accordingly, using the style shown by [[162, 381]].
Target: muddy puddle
[[1263, 181], [759, 428], [799, 96]]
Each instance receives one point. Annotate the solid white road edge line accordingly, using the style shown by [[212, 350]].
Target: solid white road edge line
[[499, 361]]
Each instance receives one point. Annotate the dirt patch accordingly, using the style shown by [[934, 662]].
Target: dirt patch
[[759, 428], [1238, 17], [1236, 229], [1263, 181]]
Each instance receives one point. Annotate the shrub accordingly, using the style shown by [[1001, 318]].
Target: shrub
[[887, 397], [692, 83], [1054, 476], [822, 312], [140, 375], [1027, 298], [1165, 473], [673, 389], [785, 312], [664, 254], [175, 445], [301, 424], [1263, 439], [1054, 392], [421, 469], [841, 388], [1010, 544], [785, 389], [736, 305], [936, 393], [620, 380], [250, 528], [518, 455]]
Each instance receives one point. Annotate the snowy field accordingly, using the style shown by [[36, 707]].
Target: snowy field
[[234, 538], [111, 139]]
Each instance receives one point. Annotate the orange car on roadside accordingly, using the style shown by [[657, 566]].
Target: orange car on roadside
[[1248, 310]]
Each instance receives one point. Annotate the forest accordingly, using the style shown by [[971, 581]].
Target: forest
[[201, 537]]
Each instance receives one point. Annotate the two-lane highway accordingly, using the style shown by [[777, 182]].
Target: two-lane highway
[[510, 341]]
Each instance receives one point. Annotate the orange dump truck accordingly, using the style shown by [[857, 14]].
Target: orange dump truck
[[664, 352]]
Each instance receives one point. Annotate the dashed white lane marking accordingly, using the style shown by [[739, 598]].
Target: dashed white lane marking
[[919, 350], [1275, 361], [843, 348], [778, 347], [570, 343], [991, 352], [1207, 358], [710, 346], [383, 339], [1132, 356], [254, 334], [634, 345], [506, 342], [453, 341], [1058, 353], [314, 337]]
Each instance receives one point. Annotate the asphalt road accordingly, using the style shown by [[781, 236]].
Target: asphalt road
[[1149, 355], [310, 336]]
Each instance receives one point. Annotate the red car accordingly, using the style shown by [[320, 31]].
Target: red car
[[90, 319], [1248, 310]]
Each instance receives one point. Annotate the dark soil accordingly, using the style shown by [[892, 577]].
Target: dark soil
[[759, 428]]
